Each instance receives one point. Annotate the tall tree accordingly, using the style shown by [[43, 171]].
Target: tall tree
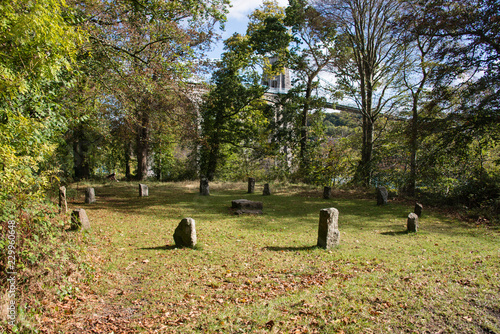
[[314, 50], [38, 47], [232, 110], [370, 64], [470, 51], [417, 73], [148, 50]]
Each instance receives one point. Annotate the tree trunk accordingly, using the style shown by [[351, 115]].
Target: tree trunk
[[80, 160], [126, 150], [142, 146], [212, 162], [412, 180], [364, 172], [81, 155], [303, 128]]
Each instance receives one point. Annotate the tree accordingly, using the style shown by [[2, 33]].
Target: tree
[[470, 51], [235, 112], [417, 73], [314, 50], [463, 118], [369, 64], [38, 47], [232, 110], [147, 52]]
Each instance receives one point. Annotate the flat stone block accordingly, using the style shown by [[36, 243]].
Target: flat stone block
[[244, 206]]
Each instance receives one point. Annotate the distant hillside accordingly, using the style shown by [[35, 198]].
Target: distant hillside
[[341, 124]]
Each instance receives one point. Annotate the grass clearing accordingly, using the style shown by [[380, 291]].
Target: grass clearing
[[264, 274]]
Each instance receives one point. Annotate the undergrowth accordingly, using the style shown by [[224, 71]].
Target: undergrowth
[[44, 263]]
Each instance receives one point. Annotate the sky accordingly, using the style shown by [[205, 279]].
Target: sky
[[237, 20]]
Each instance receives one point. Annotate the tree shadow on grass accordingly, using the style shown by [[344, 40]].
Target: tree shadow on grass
[[395, 233], [289, 249]]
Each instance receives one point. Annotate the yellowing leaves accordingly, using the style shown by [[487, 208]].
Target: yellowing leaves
[[36, 43]]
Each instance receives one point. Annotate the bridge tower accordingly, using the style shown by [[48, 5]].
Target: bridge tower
[[280, 83]]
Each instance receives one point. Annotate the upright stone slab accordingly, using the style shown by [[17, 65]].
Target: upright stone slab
[[328, 229], [79, 220], [382, 196], [412, 222], [266, 191], [251, 185], [204, 188], [327, 192], [143, 190], [63, 204], [89, 195], [418, 209], [185, 233]]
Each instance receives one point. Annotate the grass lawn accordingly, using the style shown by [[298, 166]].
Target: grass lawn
[[263, 274]]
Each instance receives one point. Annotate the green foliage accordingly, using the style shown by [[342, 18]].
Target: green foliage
[[341, 124], [469, 32], [38, 45], [136, 83], [235, 112], [23, 149], [37, 41], [268, 35], [368, 66], [34, 232], [231, 115]]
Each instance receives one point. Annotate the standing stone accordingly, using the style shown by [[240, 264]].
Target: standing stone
[[143, 190], [382, 196], [251, 185], [418, 209], [63, 204], [185, 233], [412, 223], [79, 220], [89, 195], [328, 229], [204, 188], [327, 192], [266, 191]]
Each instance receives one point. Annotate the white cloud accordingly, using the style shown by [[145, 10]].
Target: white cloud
[[241, 8]]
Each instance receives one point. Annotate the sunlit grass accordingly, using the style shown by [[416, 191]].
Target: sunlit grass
[[264, 273]]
